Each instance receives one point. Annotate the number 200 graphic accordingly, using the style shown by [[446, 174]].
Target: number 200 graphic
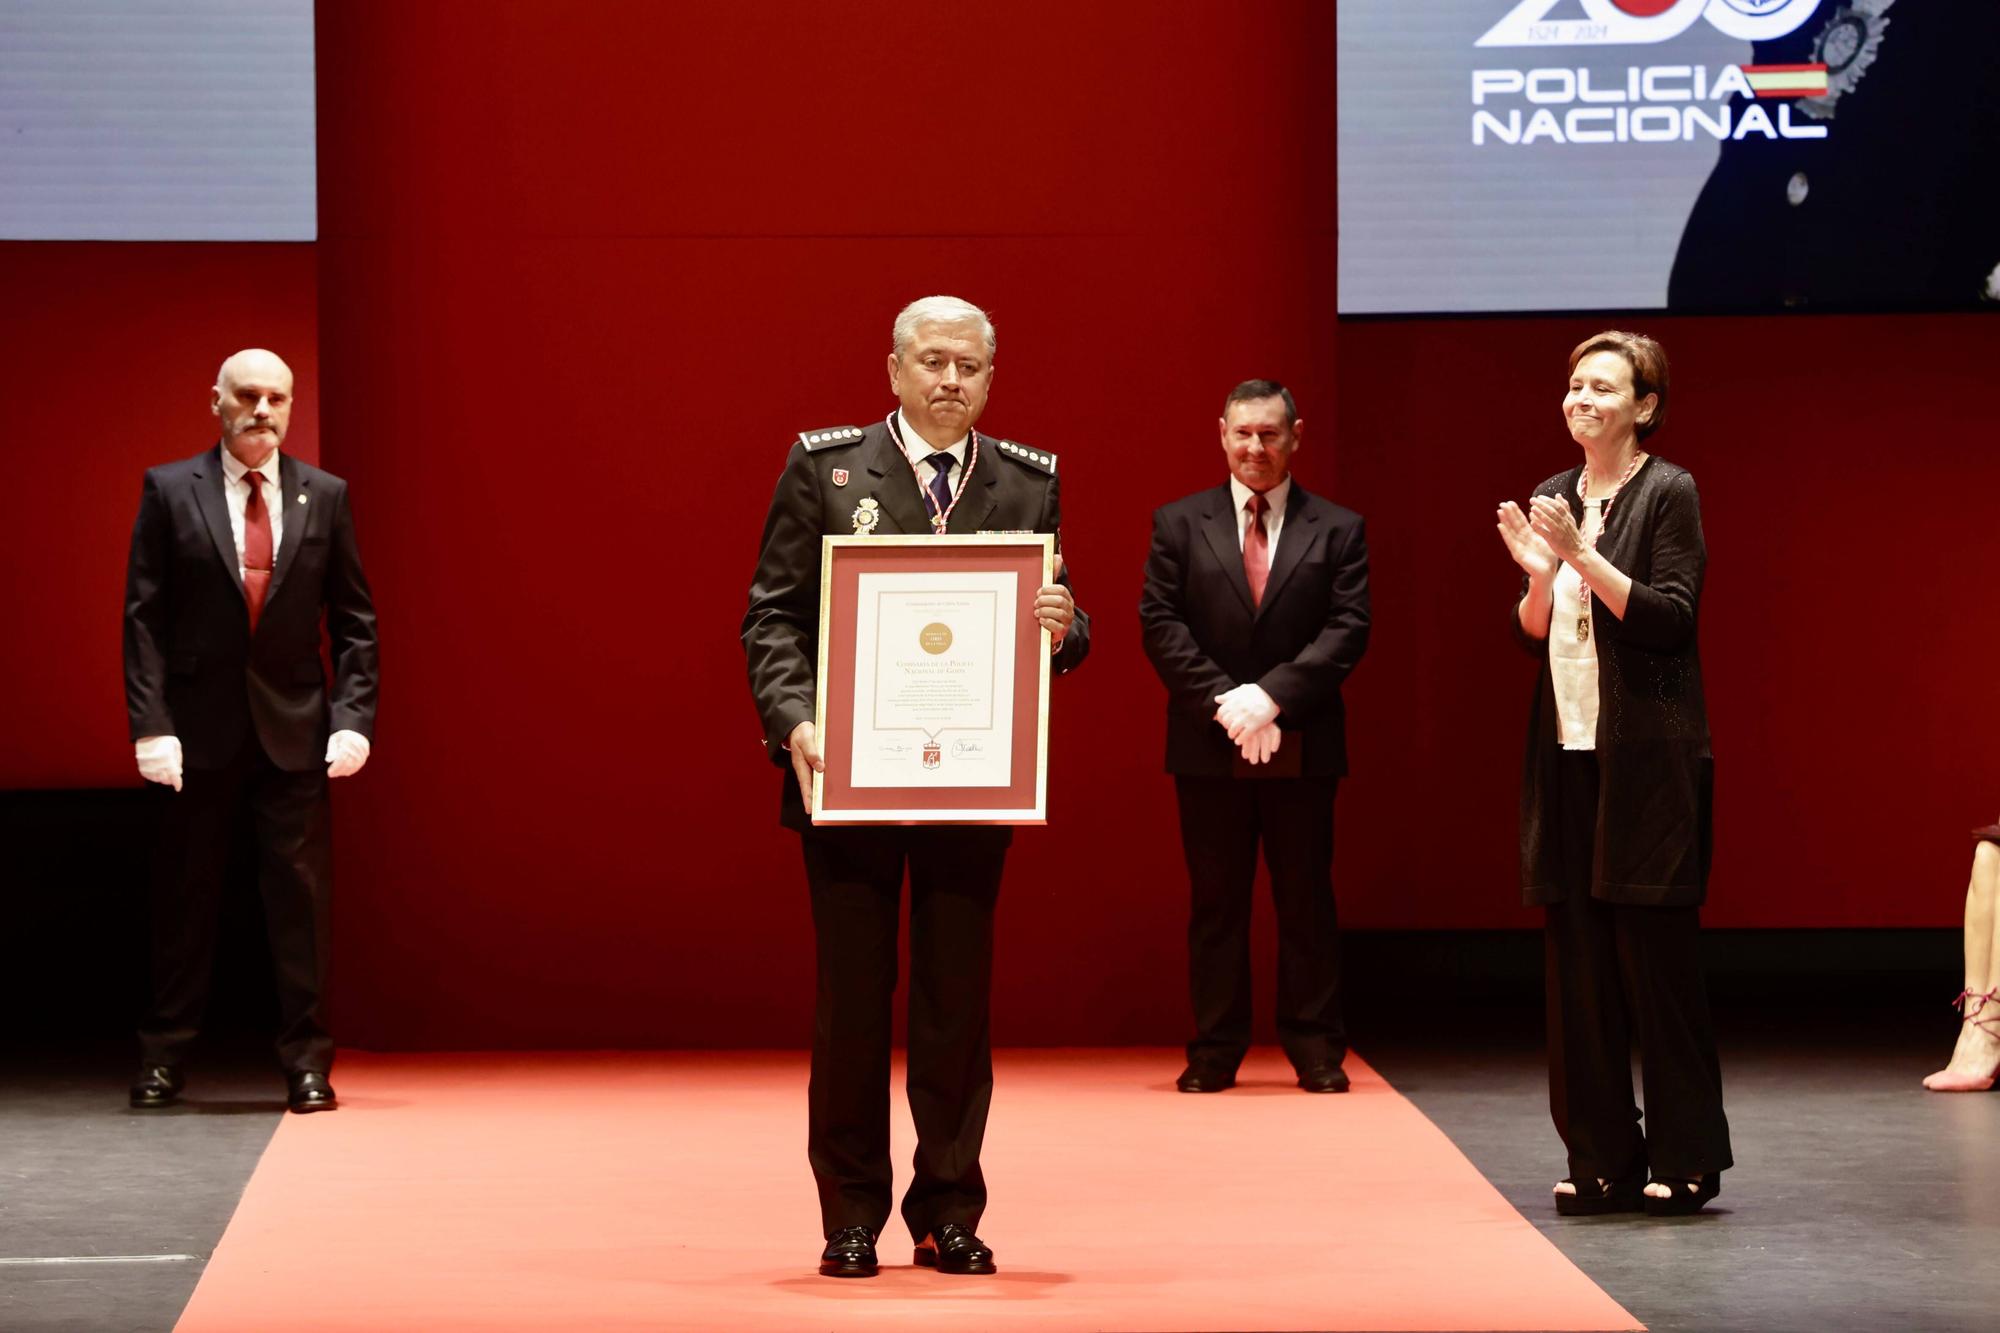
[[1643, 22]]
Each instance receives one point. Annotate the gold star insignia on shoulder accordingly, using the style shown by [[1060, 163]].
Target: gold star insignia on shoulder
[[815, 440]]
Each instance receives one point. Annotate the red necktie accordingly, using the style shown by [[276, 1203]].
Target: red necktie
[[1256, 549], [256, 548]]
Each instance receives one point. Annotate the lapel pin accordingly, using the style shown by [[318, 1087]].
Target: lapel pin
[[840, 476], [302, 499]]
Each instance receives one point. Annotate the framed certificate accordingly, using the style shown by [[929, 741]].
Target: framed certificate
[[933, 703]]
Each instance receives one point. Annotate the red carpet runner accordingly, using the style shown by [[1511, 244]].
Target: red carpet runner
[[667, 1190]]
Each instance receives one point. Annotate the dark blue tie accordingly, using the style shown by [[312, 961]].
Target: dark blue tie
[[940, 487]]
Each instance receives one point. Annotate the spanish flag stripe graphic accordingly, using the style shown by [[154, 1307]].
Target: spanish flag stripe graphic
[[1786, 80]]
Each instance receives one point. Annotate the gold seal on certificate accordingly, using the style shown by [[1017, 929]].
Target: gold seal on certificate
[[933, 689]]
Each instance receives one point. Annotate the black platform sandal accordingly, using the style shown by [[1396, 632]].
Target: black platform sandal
[[1688, 1197], [1594, 1200]]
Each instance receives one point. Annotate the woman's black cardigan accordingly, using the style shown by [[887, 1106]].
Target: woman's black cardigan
[[1656, 777]]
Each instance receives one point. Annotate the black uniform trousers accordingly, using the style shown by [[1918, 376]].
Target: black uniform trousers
[[1222, 822], [1616, 971], [289, 813], [855, 876]]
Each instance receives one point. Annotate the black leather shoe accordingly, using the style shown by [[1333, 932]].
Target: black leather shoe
[[309, 1092], [1323, 1077], [952, 1248], [850, 1252], [1199, 1077], [156, 1086]]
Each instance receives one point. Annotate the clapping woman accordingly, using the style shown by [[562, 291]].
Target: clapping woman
[[1615, 801]]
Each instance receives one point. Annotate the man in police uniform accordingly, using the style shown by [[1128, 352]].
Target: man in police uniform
[[922, 469]]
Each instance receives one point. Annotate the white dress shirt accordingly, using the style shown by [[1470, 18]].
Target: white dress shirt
[[237, 491], [919, 448], [1274, 516], [1573, 661]]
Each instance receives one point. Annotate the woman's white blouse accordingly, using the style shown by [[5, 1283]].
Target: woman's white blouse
[[1573, 662]]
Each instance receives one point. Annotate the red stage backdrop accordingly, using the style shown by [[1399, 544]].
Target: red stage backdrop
[[1849, 645], [107, 353], [587, 279], [588, 270]]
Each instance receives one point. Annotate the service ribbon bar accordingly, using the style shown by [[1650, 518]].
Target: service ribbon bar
[[1786, 80]]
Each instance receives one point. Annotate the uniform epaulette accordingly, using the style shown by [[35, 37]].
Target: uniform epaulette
[[831, 435], [1038, 459]]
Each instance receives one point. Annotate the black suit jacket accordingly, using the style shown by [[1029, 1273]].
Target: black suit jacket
[[1012, 488], [192, 667], [1205, 637]]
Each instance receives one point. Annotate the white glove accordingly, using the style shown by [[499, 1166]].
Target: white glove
[[1244, 709], [159, 759], [1258, 746], [346, 752]]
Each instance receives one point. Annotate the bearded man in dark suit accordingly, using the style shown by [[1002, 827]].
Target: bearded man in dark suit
[[1255, 609], [239, 556]]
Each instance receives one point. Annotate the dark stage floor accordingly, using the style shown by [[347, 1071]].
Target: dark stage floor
[[133, 1202], [1861, 1202]]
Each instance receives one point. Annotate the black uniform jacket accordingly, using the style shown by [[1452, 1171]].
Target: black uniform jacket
[[1205, 637], [192, 667], [1011, 488], [1656, 777]]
